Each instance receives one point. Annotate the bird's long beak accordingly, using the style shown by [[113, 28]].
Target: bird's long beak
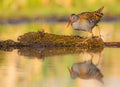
[[70, 22], [70, 71]]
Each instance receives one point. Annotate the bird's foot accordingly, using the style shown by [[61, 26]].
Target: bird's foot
[[100, 36], [83, 42]]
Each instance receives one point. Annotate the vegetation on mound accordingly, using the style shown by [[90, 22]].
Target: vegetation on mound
[[41, 39]]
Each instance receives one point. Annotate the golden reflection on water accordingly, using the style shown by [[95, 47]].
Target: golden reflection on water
[[23, 71]]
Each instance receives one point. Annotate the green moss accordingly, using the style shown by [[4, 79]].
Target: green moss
[[7, 45], [42, 39], [46, 39]]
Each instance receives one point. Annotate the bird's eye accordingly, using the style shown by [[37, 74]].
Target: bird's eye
[[73, 17]]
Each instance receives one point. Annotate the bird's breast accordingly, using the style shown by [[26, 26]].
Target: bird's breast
[[83, 26]]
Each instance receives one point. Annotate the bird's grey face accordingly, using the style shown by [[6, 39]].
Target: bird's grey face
[[72, 73], [73, 18]]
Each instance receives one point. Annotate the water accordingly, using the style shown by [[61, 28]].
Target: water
[[22, 69]]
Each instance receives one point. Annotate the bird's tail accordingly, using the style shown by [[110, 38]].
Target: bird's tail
[[100, 10]]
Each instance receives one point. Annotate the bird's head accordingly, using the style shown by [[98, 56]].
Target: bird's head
[[72, 73], [73, 18]]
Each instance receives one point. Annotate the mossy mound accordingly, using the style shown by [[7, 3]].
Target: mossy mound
[[42, 40], [52, 40]]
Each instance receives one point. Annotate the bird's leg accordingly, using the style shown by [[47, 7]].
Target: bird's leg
[[88, 38], [91, 35], [99, 31], [91, 55], [99, 59]]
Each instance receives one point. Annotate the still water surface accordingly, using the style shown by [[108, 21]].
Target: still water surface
[[22, 70]]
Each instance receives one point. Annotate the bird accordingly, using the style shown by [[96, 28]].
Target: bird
[[86, 21], [85, 70]]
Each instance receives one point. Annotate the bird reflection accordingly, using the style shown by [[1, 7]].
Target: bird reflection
[[85, 70]]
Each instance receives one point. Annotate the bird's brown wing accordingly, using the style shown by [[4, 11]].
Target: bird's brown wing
[[88, 16], [83, 74], [92, 17], [100, 10]]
